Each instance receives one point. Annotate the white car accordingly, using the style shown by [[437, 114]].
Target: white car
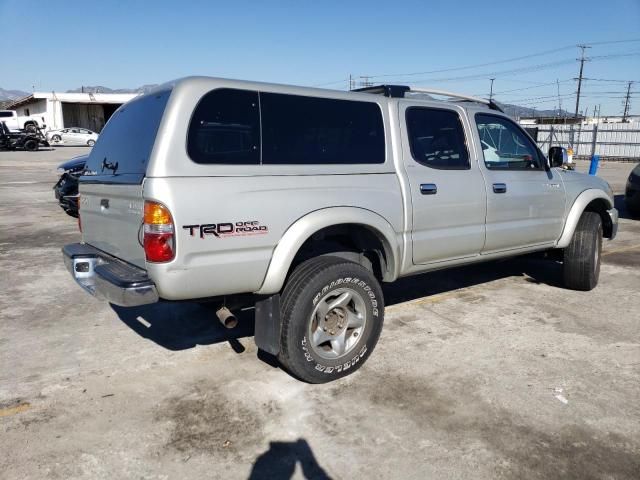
[[73, 136]]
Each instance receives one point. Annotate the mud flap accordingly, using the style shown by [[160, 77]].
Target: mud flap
[[267, 331]]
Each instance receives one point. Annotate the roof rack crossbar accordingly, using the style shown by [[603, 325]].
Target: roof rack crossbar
[[445, 93]]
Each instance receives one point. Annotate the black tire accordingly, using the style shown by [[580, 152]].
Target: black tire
[[315, 281], [30, 145], [56, 138], [582, 257], [30, 128], [91, 143]]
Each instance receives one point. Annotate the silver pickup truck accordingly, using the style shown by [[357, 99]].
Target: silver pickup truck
[[301, 201]]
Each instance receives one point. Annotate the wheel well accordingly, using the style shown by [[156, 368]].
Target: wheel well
[[354, 242], [600, 206]]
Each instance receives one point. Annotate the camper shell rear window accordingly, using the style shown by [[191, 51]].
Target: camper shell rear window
[[125, 143]]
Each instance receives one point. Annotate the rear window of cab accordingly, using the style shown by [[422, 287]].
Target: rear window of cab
[[236, 127]]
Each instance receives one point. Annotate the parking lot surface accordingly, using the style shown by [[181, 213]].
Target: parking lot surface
[[483, 372]]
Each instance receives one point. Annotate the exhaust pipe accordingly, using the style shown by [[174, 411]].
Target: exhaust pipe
[[227, 318]]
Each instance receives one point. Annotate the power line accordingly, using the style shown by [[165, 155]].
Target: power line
[[606, 80], [476, 76], [532, 87], [498, 62]]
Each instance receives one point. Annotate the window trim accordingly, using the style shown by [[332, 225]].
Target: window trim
[[541, 158], [464, 136]]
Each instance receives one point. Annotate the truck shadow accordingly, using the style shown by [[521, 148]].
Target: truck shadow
[[533, 268], [183, 325]]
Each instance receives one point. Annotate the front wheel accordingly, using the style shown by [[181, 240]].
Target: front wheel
[[332, 313], [581, 264]]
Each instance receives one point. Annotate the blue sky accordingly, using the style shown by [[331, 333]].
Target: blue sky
[[63, 45]]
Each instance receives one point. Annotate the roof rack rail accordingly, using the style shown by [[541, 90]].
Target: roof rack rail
[[400, 91]]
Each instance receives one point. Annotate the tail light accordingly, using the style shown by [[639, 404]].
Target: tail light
[[159, 234]]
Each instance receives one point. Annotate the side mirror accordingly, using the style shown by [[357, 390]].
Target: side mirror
[[558, 157]]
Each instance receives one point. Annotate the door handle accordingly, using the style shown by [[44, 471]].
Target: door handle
[[428, 188], [499, 188]]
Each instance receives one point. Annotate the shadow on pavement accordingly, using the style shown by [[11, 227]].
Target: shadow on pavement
[[183, 325], [533, 267], [279, 462]]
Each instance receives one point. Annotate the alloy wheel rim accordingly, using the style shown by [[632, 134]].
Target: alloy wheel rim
[[337, 323]]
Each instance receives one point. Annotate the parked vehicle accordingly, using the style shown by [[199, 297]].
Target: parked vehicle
[[20, 140], [301, 201], [29, 124], [73, 136], [66, 189], [632, 192]]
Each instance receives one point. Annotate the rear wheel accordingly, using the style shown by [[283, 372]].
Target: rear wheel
[[582, 256], [31, 145], [91, 143], [332, 315], [30, 128]]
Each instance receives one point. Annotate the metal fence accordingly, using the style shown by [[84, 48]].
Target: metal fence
[[615, 140]]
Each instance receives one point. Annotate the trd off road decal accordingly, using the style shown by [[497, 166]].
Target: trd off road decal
[[227, 229]]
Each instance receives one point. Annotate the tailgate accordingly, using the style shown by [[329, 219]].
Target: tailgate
[[111, 218]]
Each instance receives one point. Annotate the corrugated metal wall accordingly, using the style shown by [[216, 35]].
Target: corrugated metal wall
[[83, 115], [605, 139]]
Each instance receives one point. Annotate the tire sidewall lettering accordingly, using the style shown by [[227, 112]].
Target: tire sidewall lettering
[[358, 357]]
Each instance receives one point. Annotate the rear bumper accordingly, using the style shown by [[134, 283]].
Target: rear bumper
[[107, 277]]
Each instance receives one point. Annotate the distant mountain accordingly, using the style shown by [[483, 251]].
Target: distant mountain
[[101, 89], [11, 94]]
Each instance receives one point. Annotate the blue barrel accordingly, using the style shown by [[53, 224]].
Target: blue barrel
[[593, 168]]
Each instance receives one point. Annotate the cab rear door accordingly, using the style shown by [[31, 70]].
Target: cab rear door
[[447, 188]]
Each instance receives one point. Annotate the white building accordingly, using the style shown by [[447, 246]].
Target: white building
[[63, 110]]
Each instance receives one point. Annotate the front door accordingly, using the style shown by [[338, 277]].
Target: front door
[[525, 201], [447, 189]]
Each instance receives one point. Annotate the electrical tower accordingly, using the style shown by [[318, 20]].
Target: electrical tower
[[582, 59], [627, 102], [366, 81]]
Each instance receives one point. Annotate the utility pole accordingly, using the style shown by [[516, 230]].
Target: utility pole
[[491, 92], [627, 101], [350, 82], [582, 59], [366, 81], [559, 99]]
